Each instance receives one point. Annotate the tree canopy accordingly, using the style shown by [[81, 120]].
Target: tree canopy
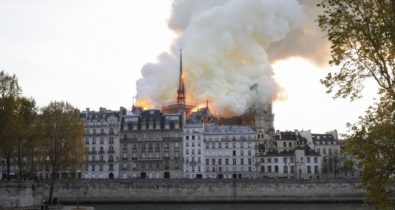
[[62, 133], [362, 36]]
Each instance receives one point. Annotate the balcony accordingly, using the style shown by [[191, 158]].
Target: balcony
[[110, 152], [101, 152], [92, 153], [149, 158]]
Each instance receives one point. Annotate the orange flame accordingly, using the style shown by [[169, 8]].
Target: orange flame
[[200, 106], [145, 103]]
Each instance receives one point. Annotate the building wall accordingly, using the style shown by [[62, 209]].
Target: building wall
[[194, 151], [151, 146], [102, 144], [230, 152]]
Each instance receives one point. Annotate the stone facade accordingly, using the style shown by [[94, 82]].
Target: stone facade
[[194, 153], [230, 151], [290, 157], [151, 145], [102, 143]]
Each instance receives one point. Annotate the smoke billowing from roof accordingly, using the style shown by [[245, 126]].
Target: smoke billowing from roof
[[227, 48]]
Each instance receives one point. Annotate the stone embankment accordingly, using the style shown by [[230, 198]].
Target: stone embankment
[[265, 190]]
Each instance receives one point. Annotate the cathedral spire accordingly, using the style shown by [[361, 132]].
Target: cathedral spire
[[181, 88]]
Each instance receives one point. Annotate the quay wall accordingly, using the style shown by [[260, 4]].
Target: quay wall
[[112, 191], [210, 191]]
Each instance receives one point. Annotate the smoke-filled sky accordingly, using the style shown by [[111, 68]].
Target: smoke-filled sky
[[92, 52]]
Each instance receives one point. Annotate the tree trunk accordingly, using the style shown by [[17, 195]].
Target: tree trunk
[[51, 186], [8, 162], [20, 170]]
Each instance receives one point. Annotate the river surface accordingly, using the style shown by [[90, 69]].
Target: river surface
[[233, 206]]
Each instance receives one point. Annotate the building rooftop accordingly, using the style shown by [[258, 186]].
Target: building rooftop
[[228, 129], [324, 139]]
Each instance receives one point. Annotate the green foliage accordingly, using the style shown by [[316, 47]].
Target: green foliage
[[9, 94], [62, 133], [362, 36], [373, 142]]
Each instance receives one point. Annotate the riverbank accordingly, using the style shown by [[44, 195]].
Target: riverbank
[[181, 191]]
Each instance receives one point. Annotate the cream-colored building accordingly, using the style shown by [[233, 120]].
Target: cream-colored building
[[101, 143]]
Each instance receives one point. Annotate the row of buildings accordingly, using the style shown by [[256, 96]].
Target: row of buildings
[[151, 144], [176, 142]]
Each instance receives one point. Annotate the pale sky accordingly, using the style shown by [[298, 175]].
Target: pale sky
[[90, 53]]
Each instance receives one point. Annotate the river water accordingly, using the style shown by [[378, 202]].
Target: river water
[[234, 206]]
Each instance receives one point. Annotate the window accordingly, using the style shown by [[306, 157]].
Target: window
[[234, 161], [93, 168], [285, 144], [315, 160], [101, 167], [308, 159], [199, 151], [276, 160], [309, 169], [241, 152], [285, 169], [101, 140], [187, 151], [234, 152], [111, 140], [276, 169], [269, 169], [285, 160], [242, 161], [263, 169], [207, 162], [292, 169], [186, 144], [213, 161], [220, 161], [226, 161], [269, 160], [316, 169]]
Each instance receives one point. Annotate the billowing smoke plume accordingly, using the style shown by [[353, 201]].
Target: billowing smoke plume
[[306, 41], [225, 52]]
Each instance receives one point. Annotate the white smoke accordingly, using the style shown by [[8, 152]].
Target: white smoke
[[224, 46]]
